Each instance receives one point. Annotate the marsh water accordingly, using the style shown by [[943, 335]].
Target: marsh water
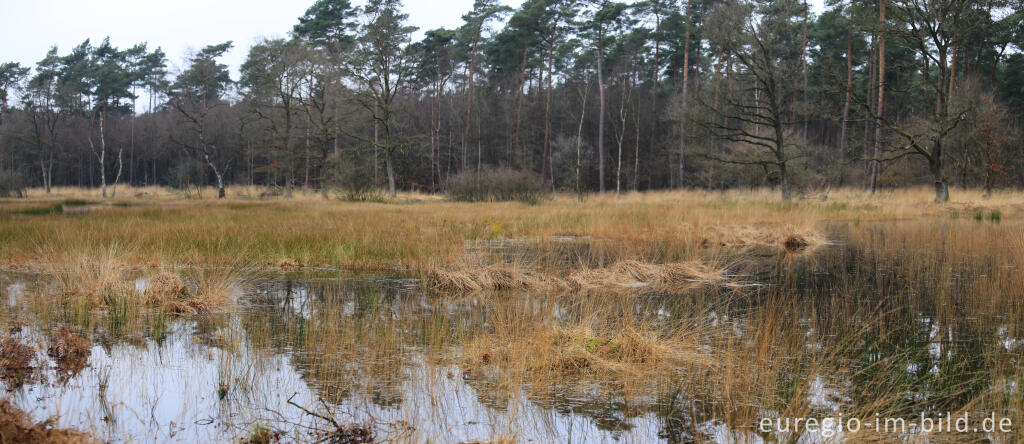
[[380, 350]]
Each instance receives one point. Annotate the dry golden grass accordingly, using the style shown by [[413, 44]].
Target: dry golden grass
[[558, 352], [574, 319], [788, 237], [623, 276], [103, 279], [421, 231], [667, 278], [95, 278]]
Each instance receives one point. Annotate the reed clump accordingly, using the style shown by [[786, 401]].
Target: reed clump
[[169, 292], [790, 238], [104, 281], [487, 278], [95, 279], [668, 278], [623, 275], [594, 340]]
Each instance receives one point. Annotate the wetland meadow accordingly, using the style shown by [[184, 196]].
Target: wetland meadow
[[646, 317]]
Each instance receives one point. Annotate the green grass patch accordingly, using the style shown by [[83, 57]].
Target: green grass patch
[[41, 211]]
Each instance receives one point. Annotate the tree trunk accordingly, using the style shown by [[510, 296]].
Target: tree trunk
[[103, 157], [579, 142], [952, 76], [117, 177], [216, 173], [391, 173], [435, 135], [546, 162], [784, 182], [220, 186], [780, 154], [881, 95], [636, 145], [849, 88], [654, 92], [309, 126], [682, 118], [376, 141], [42, 167], [803, 60], [600, 119], [519, 111], [618, 169], [872, 88], [469, 106], [131, 155], [941, 183]]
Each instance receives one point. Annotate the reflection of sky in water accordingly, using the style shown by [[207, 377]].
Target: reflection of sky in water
[[163, 391], [156, 392], [168, 390], [14, 292]]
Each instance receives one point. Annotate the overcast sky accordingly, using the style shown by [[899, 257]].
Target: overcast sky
[[29, 28]]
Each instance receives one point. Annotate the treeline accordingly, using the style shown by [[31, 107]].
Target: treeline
[[590, 95]]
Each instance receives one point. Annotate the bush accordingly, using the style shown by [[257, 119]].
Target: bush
[[11, 184], [495, 184], [353, 177]]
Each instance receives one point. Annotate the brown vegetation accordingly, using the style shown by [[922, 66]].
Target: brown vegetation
[[788, 237], [70, 350], [668, 278], [624, 275], [17, 427], [102, 279], [821, 318], [169, 292], [16, 356]]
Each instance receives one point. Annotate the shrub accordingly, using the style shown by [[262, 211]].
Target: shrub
[[495, 184], [41, 211], [995, 216], [354, 178], [11, 184]]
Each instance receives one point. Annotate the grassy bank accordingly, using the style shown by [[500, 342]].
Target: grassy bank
[[159, 227]]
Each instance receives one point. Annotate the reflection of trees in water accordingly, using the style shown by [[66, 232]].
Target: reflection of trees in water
[[927, 321], [348, 336], [607, 404], [905, 330]]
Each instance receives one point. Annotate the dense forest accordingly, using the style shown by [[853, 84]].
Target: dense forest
[[591, 95]]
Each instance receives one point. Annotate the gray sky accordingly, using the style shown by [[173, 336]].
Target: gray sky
[[29, 28]]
